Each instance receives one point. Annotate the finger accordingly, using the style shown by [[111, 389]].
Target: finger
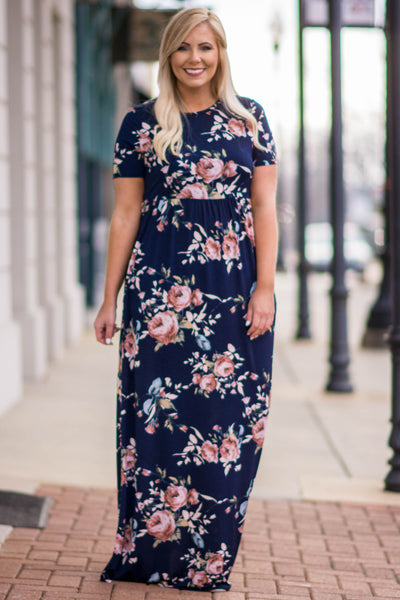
[[109, 332], [249, 316], [100, 333], [261, 328], [255, 325]]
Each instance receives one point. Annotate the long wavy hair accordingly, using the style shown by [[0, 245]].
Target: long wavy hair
[[168, 105]]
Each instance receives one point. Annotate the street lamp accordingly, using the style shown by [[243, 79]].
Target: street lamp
[[339, 378]]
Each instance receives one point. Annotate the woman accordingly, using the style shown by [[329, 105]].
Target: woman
[[198, 316]]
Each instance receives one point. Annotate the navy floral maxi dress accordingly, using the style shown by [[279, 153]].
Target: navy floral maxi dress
[[193, 393]]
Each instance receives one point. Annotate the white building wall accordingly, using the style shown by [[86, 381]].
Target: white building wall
[[41, 302]]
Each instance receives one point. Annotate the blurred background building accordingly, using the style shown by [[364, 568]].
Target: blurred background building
[[69, 70], [41, 301]]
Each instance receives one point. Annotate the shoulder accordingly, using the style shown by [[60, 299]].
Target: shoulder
[[251, 105], [141, 113]]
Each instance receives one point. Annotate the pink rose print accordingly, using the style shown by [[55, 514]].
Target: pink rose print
[[208, 383], [179, 296], [237, 127], [176, 496], [150, 428], [124, 543], [215, 564], [209, 452], [123, 477], [249, 227], [132, 261], [209, 169], [212, 248], [144, 143], [128, 459], [161, 525], [163, 327], [258, 431], [230, 168], [193, 497], [130, 345], [230, 246], [224, 366], [194, 190], [229, 449], [119, 542], [197, 297], [199, 578], [196, 378]]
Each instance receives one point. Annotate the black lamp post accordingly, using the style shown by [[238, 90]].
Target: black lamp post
[[392, 481], [303, 329], [339, 379], [380, 316]]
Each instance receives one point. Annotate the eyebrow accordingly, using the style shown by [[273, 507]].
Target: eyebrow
[[200, 44]]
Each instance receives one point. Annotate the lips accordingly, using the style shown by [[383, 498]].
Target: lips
[[194, 72]]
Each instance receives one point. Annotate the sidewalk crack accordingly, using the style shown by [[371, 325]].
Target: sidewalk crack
[[328, 438]]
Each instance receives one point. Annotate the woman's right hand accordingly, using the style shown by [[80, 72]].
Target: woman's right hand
[[104, 325]]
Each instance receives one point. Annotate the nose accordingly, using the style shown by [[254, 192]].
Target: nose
[[194, 56]]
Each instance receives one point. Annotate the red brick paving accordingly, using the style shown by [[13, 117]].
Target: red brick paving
[[291, 550]]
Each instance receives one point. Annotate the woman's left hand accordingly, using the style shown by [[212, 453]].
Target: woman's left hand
[[260, 312]]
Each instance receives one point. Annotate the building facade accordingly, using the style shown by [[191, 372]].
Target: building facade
[[41, 301]]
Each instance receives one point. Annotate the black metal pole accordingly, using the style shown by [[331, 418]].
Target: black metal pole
[[380, 316], [303, 328], [339, 378], [392, 481]]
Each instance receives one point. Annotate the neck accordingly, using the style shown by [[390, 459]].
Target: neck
[[195, 100]]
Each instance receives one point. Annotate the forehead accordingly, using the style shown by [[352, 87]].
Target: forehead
[[200, 33]]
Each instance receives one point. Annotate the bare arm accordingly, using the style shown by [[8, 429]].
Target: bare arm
[[124, 228], [261, 308]]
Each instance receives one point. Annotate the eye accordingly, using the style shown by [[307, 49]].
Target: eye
[[182, 47], [206, 47]]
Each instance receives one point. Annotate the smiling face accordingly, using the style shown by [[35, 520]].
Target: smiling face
[[195, 62]]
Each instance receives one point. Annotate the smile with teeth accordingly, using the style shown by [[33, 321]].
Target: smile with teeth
[[194, 72]]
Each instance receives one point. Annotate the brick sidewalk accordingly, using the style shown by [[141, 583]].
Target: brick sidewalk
[[290, 550]]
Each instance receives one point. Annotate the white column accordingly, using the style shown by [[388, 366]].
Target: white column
[[46, 145], [10, 342], [22, 189], [66, 174]]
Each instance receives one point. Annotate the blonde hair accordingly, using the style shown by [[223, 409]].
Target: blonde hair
[[168, 106]]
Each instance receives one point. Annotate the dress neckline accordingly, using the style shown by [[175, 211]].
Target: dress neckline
[[199, 112]]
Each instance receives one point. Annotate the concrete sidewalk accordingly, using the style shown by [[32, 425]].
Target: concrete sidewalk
[[318, 446]]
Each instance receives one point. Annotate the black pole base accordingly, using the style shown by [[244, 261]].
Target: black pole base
[[392, 481], [375, 338], [303, 333], [341, 386]]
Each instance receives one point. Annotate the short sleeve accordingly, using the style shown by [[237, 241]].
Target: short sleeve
[[129, 148], [267, 155]]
